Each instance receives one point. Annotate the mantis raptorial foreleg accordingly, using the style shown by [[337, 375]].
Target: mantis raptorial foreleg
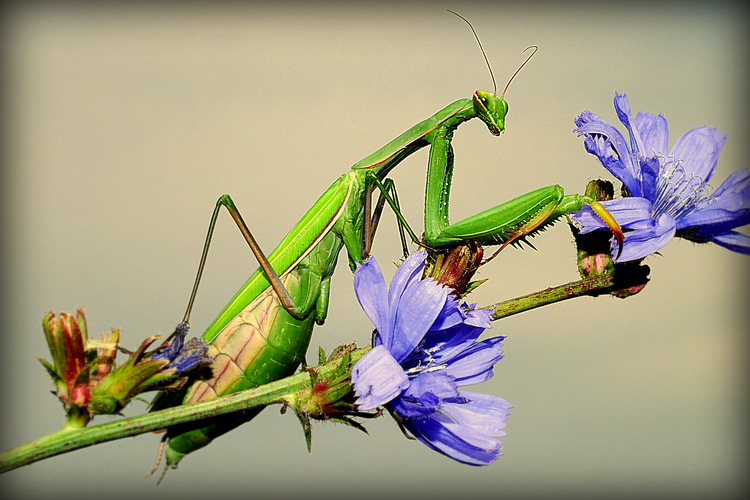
[[499, 225]]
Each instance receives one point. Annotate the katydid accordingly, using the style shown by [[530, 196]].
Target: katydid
[[262, 334]]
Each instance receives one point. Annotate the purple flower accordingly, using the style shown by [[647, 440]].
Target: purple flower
[[183, 357], [669, 191], [425, 349]]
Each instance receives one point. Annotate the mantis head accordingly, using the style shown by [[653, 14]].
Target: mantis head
[[491, 109]]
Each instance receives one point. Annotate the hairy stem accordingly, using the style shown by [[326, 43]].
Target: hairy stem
[[594, 285], [70, 439]]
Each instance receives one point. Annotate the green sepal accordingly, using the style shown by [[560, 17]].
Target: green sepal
[[51, 370], [344, 368], [304, 419], [350, 422], [473, 285], [321, 355]]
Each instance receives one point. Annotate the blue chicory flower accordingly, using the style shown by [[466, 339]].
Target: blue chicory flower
[[425, 349], [669, 191], [182, 356]]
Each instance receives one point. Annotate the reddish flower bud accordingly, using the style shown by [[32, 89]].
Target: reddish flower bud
[[85, 375], [454, 268]]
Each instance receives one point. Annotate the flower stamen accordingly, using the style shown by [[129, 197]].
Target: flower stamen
[[677, 191]]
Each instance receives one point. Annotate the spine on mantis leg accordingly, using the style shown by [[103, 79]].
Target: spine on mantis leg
[[506, 222]]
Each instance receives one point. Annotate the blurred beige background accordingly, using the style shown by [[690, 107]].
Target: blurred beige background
[[124, 125]]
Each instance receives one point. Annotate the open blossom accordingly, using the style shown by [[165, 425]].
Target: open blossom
[[425, 350], [669, 191]]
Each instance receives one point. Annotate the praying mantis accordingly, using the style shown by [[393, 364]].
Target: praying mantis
[[263, 332]]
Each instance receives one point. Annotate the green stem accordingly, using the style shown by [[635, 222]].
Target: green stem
[[588, 286], [284, 390], [68, 439]]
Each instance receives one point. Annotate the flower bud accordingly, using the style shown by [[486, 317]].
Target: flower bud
[[600, 190], [88, 382], [454, 268], [594, 251], [71, 363], [330, 395], [161, 369], [594, 256]]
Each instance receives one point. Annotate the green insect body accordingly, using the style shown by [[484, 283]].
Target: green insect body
[[256, 340], [262, 343]]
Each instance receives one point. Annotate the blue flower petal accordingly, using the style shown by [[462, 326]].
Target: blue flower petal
[[650, 237], [450, 316], [715, 219], [649, 169], [425, 395], [699, 151], [610, 146], [436, 383], [737, 242], [369, 285], [481, 318], [654, 133], [377, 378], [475, 364], [169, 350], [460, 443], [410, 270], [192, 355], [626, 211], [736, 185], [481, 412], [439, 348], [420, 305], [729, 207], [622, 107]]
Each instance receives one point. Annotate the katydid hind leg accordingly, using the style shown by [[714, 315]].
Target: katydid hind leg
[[273, 278]]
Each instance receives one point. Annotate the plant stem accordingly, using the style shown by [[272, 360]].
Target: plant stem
[[66, 440], [70, 439], [588, 286]]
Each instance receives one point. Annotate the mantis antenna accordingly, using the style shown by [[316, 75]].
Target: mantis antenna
[[494, 84], [521, 66]]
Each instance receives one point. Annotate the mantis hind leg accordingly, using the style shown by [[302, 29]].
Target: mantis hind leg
[[284, 297]]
